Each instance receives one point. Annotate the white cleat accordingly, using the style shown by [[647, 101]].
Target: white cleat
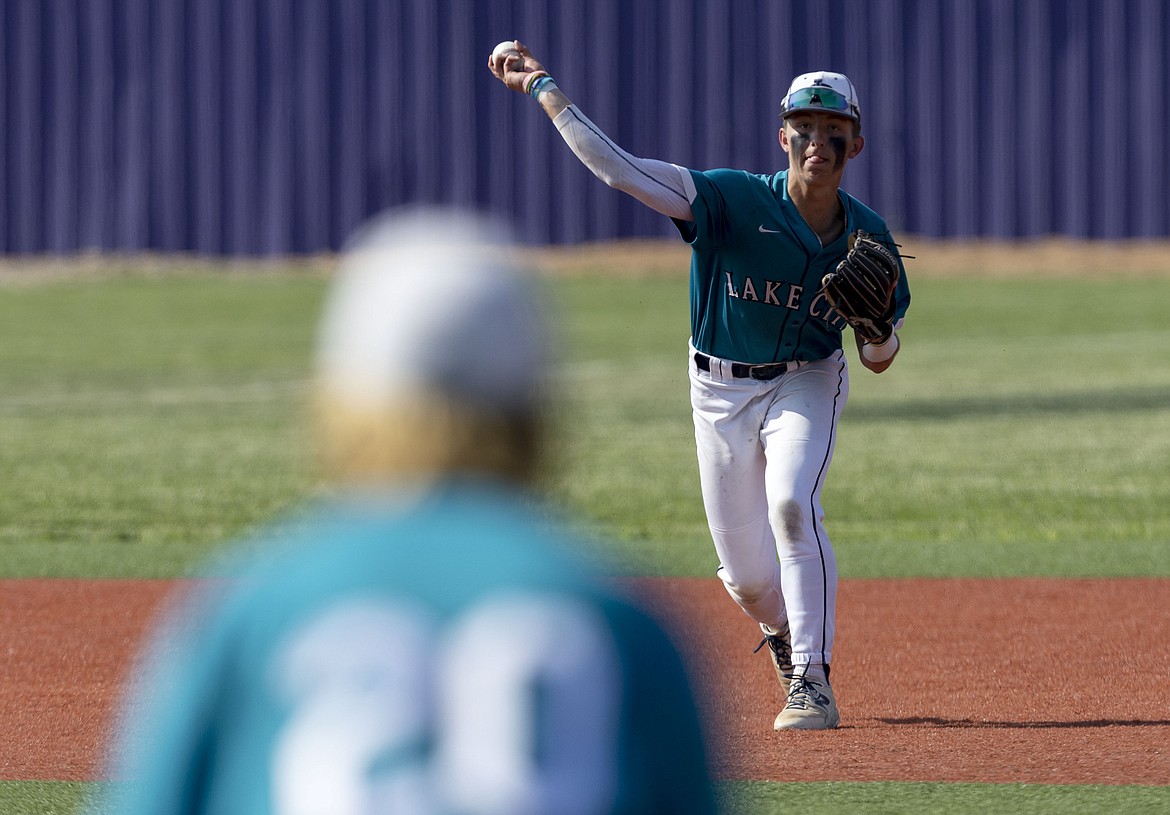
[[810, 706]]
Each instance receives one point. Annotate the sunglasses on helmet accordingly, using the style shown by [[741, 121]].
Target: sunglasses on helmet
[[820, 98]]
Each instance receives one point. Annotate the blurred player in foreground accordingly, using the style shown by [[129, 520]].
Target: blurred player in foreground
[[424, 640]]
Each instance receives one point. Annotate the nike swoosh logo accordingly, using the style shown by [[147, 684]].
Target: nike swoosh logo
[[766, 230]]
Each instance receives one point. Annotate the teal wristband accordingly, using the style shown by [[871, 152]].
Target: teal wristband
[[540, 85]]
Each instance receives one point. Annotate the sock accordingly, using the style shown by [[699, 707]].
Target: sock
[[816, 671]]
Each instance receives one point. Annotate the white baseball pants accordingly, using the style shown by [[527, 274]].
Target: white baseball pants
[[764, 450]]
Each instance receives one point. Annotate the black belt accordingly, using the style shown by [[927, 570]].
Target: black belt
[[741, 371]]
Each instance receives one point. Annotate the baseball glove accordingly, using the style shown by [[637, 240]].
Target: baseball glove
[[861, 288]]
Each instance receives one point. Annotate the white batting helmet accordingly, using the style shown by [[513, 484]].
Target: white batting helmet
[[822, 90]]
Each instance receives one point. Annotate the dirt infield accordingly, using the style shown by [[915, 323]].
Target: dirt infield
[[1023, 681]]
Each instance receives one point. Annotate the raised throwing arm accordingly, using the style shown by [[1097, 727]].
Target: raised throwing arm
[[662, 186]]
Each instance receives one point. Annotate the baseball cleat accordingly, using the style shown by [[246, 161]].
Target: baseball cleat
[[810, 705], [780, 646]]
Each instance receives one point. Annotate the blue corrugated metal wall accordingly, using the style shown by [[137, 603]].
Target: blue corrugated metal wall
[[274, 126]]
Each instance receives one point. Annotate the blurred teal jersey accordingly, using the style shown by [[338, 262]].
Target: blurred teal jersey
[[451, 655], [756, 269]]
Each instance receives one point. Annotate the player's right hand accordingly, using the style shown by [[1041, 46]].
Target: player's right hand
[[514, 72]]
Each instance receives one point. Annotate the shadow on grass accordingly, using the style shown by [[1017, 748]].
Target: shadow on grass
[[1122, 400], [934, 721]]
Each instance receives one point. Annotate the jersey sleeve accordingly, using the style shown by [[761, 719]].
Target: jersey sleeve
[[902, 297], [710, 192], [902, 292]]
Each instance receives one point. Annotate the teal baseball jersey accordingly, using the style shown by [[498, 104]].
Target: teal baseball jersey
[[449, 657], [756, 269]]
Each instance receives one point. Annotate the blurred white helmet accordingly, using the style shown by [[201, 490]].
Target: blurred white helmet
[[433, 302], [822, 90]]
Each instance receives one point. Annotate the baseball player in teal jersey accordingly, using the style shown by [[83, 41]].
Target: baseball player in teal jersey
[[768, 376], [427, 639]]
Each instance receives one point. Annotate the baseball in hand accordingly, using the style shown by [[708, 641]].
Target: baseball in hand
[[508, 49]]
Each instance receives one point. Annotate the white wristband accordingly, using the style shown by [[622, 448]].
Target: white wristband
[[883, 352]]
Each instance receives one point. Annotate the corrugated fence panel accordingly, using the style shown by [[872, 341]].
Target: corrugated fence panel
[[1153, 70], [246, 127]]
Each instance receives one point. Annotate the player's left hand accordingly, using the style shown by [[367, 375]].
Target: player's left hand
[[861, 289], [514, 72]]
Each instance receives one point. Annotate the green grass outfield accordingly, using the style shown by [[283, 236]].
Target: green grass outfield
[[1025, 430]]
